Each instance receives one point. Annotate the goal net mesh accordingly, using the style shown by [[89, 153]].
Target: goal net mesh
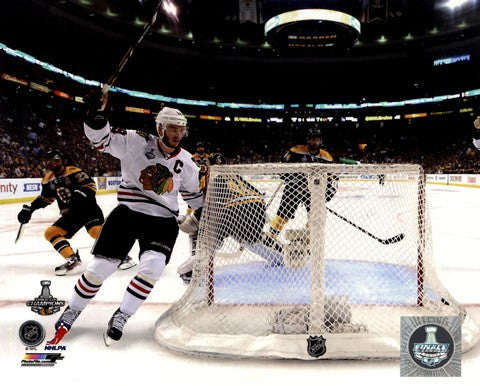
[[291, 251]]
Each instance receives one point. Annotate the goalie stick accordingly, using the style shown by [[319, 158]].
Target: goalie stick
[[391, 240]]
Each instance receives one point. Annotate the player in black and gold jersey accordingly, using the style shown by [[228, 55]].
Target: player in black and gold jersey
[[74, 192], [296, 185], [239, 209], [202, 159]]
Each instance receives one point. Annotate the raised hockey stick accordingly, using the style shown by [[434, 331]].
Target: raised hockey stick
[[391, 240], [146, 29], [19, 233]]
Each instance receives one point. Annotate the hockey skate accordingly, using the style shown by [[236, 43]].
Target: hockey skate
[[115, 327], [127, 263], [186, 277], [73, 265], [63, 324]]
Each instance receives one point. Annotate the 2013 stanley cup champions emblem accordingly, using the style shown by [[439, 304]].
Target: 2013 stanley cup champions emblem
[[157, 178], [316, 346], [45, 304]]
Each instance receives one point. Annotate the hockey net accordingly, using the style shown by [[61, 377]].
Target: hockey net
[[351, 254]]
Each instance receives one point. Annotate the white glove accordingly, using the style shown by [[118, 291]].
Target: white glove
[[188, 224]]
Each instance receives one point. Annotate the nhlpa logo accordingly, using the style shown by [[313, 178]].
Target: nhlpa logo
[[316, 346]]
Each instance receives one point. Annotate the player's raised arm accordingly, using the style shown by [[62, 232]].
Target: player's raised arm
[[98, 130]]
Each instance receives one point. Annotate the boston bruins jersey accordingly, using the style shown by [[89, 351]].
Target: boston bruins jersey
[[203, 163], [300, 153], [235, 191], [61, 187], [151, 179], [201, 159]]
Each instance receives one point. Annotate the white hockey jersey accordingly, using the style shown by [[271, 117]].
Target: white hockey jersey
[[151, 180]]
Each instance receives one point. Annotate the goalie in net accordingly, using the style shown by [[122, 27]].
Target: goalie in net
[[241, 215]]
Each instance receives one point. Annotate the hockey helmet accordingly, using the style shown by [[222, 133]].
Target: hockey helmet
[[314, 132], [55, 154], [169, 115], [217, 159]]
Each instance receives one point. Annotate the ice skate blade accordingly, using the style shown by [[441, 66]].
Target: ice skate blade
[[108, 341]]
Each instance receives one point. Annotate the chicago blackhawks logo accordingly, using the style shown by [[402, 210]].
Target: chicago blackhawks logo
[[157, 178]]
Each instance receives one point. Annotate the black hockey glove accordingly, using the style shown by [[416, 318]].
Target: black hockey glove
[[332, 185], [93, 102], [25, 214]]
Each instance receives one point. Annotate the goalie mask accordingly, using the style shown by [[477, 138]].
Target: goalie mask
[[171, 126]]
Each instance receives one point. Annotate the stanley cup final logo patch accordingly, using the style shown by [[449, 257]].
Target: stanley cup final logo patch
[[430, 347], [45, 304], [431, 353]]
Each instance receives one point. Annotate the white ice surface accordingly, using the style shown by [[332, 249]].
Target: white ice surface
[[137, 358]]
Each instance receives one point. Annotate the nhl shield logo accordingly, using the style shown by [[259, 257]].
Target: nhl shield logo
[[316, 346]]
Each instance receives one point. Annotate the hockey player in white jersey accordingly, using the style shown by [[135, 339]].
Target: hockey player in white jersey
[[154, 170]]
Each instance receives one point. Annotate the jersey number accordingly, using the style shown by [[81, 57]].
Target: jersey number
[[64, 194]]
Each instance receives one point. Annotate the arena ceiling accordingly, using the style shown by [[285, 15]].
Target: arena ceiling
[[217, 48]]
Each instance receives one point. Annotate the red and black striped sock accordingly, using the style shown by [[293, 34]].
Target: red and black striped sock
[[84, 292], [136, 293]]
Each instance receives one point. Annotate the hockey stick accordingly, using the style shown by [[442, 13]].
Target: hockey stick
[[146, 29], [19, 233], [391, 240], [273, 195]]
